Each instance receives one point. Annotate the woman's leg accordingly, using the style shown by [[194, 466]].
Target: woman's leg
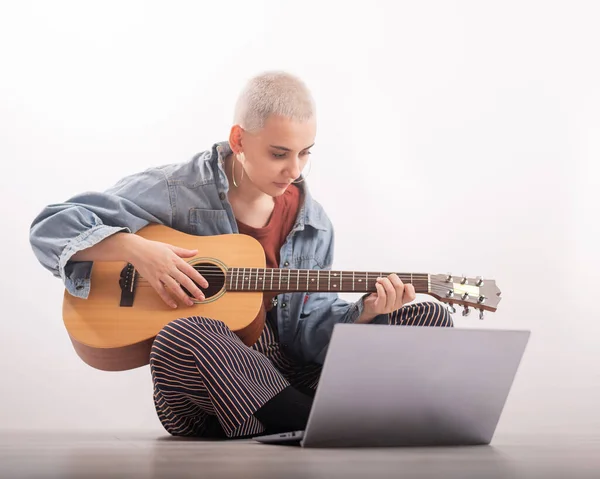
[[207, 382], [303, 377], [421, 314]]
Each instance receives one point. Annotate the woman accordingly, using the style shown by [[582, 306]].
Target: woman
[[206, 381]]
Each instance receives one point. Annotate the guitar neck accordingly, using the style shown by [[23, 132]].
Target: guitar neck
[[305, 280]]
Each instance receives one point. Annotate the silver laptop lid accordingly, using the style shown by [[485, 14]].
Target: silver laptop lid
[[403, 385]]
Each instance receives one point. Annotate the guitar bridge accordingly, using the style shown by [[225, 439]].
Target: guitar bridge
[[128, 282]]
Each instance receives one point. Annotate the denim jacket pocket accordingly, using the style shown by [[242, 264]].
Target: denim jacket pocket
[[205, 222]]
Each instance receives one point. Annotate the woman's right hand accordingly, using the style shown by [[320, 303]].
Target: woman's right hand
[[161, 264]]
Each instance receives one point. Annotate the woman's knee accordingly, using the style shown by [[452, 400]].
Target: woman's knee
[[197, 324], [426, 314], [179, 332], [436, 314]]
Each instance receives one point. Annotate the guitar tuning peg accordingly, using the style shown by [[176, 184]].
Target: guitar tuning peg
[[449, 277], [466, 311], [481, 315], [451, 309], [479, 281]]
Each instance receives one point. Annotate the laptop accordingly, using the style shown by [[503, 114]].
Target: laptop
[[388, 385]]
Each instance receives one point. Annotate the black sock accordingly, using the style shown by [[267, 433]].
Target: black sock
[[287, 411]]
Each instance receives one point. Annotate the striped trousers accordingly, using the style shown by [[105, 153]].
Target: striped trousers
[[208, 383]]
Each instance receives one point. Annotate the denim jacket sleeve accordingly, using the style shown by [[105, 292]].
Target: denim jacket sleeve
[[63, 229], [322, 311]]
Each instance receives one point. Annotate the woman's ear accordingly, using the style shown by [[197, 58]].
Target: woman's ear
[[235, 139]]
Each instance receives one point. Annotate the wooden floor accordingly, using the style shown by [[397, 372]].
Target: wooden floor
[[132, 455]]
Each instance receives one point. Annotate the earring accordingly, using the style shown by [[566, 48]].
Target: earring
[[241, 154], [309, 168]]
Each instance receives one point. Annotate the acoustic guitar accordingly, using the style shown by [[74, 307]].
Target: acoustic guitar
[[113, 329]]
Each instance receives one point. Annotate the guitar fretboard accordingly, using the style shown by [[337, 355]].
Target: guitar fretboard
[[304, 280]]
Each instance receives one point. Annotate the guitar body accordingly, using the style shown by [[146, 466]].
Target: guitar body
[[112, 337]]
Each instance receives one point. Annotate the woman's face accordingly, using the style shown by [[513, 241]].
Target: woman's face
[[276, 155]]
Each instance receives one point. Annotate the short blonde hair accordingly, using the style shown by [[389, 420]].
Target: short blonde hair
[[273, 93]]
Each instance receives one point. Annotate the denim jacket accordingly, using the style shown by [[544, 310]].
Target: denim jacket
[[192, 197]]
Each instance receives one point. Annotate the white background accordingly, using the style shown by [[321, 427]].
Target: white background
[[452, 136]]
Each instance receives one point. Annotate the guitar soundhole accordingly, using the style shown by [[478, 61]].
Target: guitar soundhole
[[215, 277]]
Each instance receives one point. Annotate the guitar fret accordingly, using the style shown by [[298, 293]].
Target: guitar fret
[[237, 278], [329, 281], [272, 279], [307, 279], [298, 280], [318, 287], [289, 274], [279, 271], [353, 287], [256, 285]]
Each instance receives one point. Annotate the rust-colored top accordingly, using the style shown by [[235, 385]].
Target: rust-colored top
[[273, 235]]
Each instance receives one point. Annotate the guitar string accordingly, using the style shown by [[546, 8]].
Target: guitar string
[[440, 291], [436, 286], [435, 289], [218, 272], [293, 278], [306, 275]]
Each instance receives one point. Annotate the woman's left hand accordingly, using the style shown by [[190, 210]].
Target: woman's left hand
[[391, 295]]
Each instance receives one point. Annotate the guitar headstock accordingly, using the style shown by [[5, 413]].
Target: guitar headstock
[[477, 293]]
